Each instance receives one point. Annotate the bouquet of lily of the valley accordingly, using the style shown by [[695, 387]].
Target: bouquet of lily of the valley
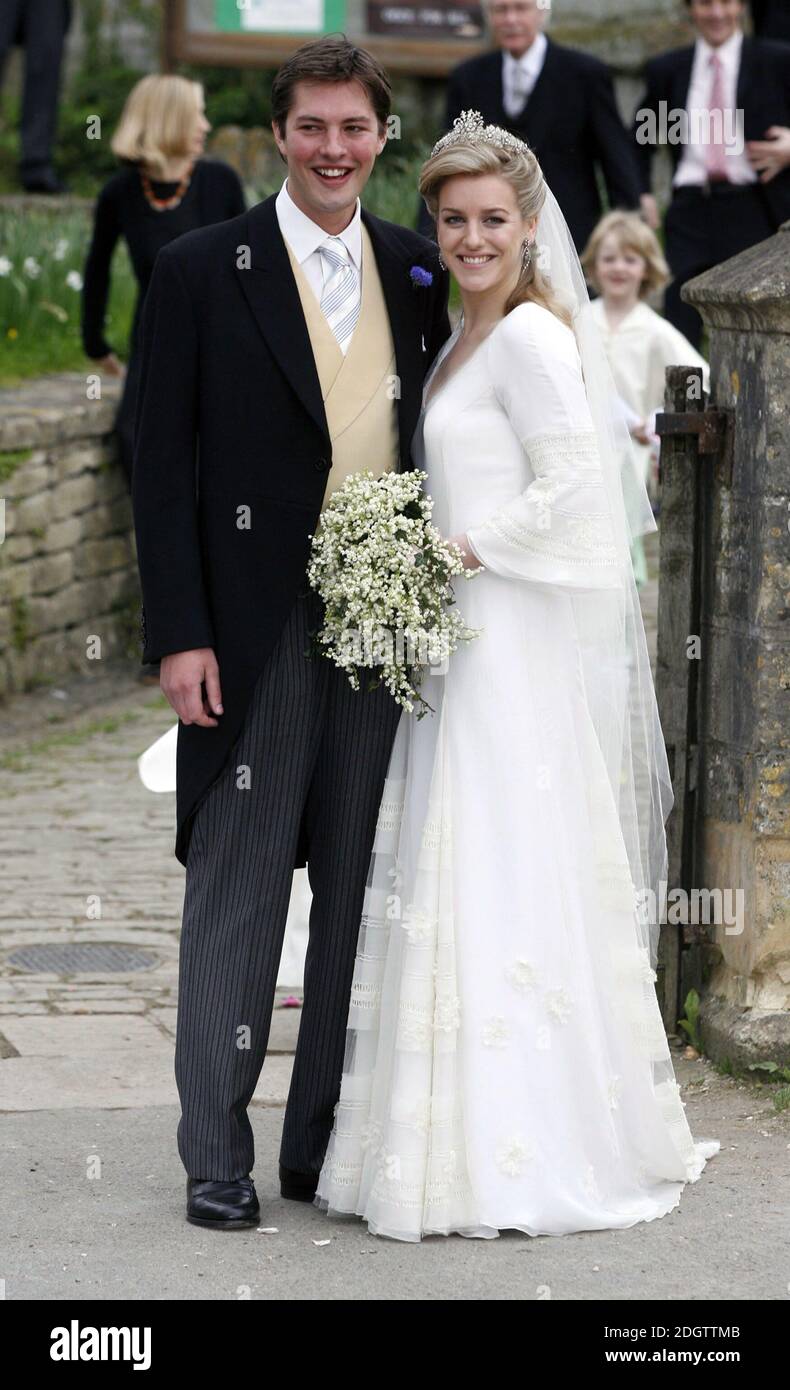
[[383, 571]]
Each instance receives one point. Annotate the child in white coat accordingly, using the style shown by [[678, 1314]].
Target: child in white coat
[[624, 263]]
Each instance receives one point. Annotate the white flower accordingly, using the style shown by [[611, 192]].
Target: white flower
[[372, 1135], [31, 267], [513, 1154], [417, 924], [447, 1015], [558, 1004], [6, 266], [522, 974], [384, 571], [449, 1168], [496, 1033], [388, 1166], [61, 247], [74, 280]]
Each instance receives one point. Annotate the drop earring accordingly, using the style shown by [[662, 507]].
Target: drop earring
[[526, 257], [441, 261]]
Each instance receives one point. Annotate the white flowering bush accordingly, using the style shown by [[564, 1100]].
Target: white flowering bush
[[383, 571], [41, 282]]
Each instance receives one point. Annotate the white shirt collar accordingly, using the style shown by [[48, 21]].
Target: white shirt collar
[[531, 60], [729, 51], [304, 236]]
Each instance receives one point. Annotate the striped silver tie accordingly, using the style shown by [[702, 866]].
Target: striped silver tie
[[340, 298], [519, 91]]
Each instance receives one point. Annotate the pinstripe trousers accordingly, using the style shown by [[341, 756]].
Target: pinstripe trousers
[[309, 744]]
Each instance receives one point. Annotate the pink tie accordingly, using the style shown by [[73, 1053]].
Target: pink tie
[[715, 152]]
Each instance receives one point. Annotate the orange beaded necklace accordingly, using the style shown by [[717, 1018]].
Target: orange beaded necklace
[[165, 204]]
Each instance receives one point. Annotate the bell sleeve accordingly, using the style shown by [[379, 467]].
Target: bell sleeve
[[559, 530]]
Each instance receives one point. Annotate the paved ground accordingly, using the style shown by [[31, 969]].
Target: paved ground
[[122, 1235], [93, 1187]]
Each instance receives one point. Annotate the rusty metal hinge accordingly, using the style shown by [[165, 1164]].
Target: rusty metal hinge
[[714, 430]]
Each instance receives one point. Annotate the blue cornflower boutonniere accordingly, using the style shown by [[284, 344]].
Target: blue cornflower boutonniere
[[420, 278]]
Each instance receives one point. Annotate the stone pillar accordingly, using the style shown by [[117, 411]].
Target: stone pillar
[[744, 766]]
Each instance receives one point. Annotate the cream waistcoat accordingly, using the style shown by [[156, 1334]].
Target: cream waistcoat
[[359, 388]]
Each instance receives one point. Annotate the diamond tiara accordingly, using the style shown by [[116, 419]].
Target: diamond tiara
[[469, 129]]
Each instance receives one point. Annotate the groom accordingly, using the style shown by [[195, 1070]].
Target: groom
[[282, 350]]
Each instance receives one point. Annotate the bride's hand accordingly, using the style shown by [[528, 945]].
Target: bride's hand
[[640, 432], [471, 561]]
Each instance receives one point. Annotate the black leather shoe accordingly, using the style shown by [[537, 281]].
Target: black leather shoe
[[223, 1204], [298, 1186]]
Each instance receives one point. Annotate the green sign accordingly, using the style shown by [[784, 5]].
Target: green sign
[[280, 16]]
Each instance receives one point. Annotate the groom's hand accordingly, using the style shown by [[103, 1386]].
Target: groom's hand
[[182, 676]]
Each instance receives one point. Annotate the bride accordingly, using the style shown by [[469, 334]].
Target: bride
[[506, 1066]]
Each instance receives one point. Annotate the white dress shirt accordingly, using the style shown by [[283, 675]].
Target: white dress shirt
[[691, 165], [304, 237], [527, 69]]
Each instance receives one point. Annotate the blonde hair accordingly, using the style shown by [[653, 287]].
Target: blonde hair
[[522, 171], [157, 123], [634, 235]]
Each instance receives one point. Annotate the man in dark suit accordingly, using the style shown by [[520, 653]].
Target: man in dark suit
[[560, 101], [714, 104], [279, 761], [40, 27]]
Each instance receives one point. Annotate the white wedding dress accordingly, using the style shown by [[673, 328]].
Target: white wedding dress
[[506, 1065]]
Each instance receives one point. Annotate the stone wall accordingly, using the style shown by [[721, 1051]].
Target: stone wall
[[68, 573], [745, 755]]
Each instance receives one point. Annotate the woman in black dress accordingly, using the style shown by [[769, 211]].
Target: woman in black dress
[[164, 188]]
